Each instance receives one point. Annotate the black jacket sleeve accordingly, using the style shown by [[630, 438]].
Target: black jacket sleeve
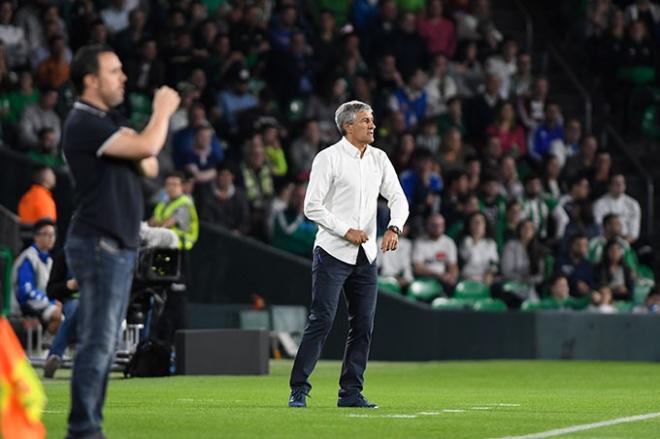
[[56, 288]]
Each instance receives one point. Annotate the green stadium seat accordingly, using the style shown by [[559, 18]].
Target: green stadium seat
[[489, 305], [389, 285], [640, 292], [622, 306], [515, 287], [425, 289], [445, 303], [471, 289]]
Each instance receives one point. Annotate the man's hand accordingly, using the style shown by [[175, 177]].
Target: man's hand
[[166, 100], [390, 241], [72, 284], [356, 237]]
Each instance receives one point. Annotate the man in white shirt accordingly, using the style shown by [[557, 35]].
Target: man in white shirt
[[616, 201], [435, 255], [345, 182]]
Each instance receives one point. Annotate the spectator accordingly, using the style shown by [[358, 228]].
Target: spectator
[[534, 207], [237, 97], [292, 231], [560, 289], [467, 70], [435, 254], [13, 36], [30, 277], [403, 154], [62, 287], [478, 250], [184, 139], [546, 133], [477, 23], [570, 144], [552, 188], [473, 169], [19, 99], [438, 33], [290, 72], [492, 203], [407, 46], [601, 301], [38, 116], [422, 186], [583, 222], [304, 148], [601, 174], [177, 212], [512, 218], [46, 151], [322, 106], [325, 42], [576, 268], [583, 161], [638, 51], [505, 66], [265, 113], [115, 16], [644, 10], [453, 118], [381, 34], [282, 28], [256, 179], [613, 273], [398, 264], [612, 227], [452, 152], [440, 87], [531, 109], [274, 151], [578, 192], [523, 79], [483, 107], [127, 40], [53, 72], [38, 202], [509, 178], [145, 71], [616, 201], [491, 156], [456, 189], [511, 135], [411, 99], [202, 160], [226, 204], [522, 262]]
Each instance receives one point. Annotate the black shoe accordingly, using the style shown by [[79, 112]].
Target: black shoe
[[298, 398], [358, 401], [52, 364]]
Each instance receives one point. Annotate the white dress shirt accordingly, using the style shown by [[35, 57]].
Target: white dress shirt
[[342, 194], [626, 207]]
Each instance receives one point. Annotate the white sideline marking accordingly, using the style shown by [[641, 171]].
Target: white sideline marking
[[503, 404], [481, 408], [429, 413], [582, 427], [395, 416], [453, 411]]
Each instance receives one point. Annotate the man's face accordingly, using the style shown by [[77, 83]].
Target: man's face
[[45, 238], [225, 178], [110, 79], [49, 100], [618, 186], [580, 247], [174, 187], [435, 226], [203, 138], [361, 130], [614, 227]]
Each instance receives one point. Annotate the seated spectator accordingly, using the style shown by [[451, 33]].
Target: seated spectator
[[612, 227], [46, 151], [202, 160], [428, 137], [616, 201], [601, 174], [19, 99], [578, 192], [522, 262], [467, 70], [576, 267], [560, 289], [62, 287], [304, 148], [321, 106], [531, 109], [491, 156], [38, 202], [582, 222], [411, 99], [455, 191], [583, 161], [145, 71], [283, 191], [476, 23], [226, 204], [637, 55], [38, 116], [452, 151], [552, 188], [438, 33], [407, 46], [504, 65], [274, 151], [292, 231], [398, 264], [651, 304], [127, 41], [478, 250], [523, 79], [422, 186], [512, 136], [115, 16], [236, 98], [256, 179], [482, 108], [13, 36], [546, 133], [54, 71], [473, 169], [512, 218], [177, 212], [614, 273], [601, 301], [509, 178], [30, 277], [453, 118], [570, 144], [492, 203], [440, 87], [434, 255], [184, 139]]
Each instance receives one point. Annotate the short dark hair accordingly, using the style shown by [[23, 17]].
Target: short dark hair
[[175, 174], [40, 224], [86, 62]]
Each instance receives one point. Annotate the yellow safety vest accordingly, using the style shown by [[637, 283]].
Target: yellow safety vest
[[164, 210]]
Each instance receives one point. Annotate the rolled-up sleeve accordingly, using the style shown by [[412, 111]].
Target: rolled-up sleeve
[[320, 181], [391, 190]]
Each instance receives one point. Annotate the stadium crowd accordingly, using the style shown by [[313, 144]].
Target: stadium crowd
[[505, 190]]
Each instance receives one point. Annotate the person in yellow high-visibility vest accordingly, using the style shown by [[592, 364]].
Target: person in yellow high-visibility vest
[[177, 213]]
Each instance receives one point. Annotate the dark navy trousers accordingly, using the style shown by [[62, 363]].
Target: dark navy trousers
[[359, 283]]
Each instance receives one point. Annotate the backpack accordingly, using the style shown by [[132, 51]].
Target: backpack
[[151, 359]]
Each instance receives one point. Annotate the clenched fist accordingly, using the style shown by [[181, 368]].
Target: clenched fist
[[356, 237], [166, 100]]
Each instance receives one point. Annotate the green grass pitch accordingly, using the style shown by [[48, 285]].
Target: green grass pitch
[[484, 399]]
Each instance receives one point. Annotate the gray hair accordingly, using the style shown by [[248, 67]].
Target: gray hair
[[346, 113]]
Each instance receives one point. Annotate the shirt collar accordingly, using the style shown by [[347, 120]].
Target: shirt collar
[[351, 150], [42, 255], [86, 106]]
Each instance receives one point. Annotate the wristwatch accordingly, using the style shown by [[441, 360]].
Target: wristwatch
[[395, 229]]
